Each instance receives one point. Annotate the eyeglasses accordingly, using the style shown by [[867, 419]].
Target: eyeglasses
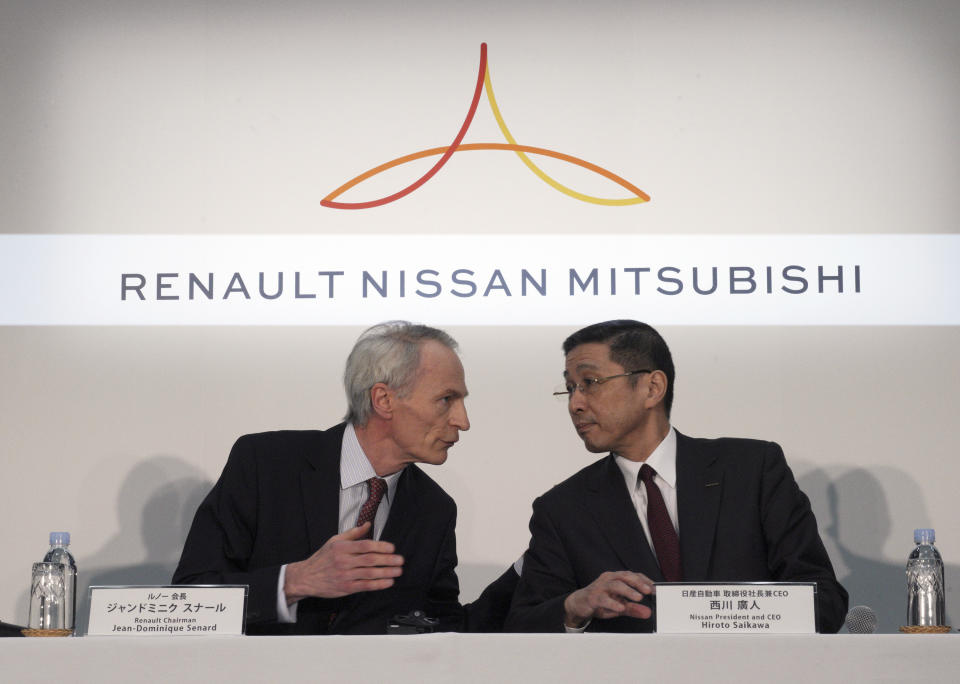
[[590, 386]]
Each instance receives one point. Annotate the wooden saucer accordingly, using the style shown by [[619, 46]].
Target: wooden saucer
[[926, 629]]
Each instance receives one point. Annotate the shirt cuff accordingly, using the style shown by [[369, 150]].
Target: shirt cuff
[[576, 630], [285, 614]]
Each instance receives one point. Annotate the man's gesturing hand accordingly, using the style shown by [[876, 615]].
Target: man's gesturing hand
[[346, 564], [612, 594]]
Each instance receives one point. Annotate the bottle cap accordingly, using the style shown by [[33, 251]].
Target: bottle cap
[[59, 539], [924, 536]]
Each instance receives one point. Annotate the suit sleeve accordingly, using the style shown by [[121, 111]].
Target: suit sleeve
[[221, 538], [795, 551], [547, 578], [489, 612]]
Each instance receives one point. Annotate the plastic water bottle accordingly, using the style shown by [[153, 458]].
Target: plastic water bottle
[[925, 585], [59, 553]]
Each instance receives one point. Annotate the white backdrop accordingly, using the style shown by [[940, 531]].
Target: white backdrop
[[129, 122]]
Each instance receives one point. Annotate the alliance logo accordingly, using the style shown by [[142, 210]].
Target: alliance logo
[[522, 151]]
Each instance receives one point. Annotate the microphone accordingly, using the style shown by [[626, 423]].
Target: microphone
[[861, 620]]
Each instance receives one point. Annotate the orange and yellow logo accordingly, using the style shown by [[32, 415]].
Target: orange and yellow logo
[[523, 151]]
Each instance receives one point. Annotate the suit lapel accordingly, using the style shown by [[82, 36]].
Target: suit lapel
[[404, 509], [699, 486], [617, 518], [320, 488]]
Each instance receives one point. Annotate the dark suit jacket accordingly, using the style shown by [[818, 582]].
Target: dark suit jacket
[[277, 502], [742, 517]]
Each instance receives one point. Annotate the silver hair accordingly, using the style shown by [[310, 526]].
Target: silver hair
[[387, 353]]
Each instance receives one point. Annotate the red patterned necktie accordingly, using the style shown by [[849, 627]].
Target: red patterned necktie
[[378, 487], [665, 540]]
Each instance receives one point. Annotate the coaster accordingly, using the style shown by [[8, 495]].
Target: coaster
[[926, 629], [46, 632]]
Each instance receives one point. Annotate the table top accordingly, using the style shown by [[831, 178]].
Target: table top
[[486, 657]]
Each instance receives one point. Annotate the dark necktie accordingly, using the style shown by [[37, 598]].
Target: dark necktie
[[665, 540], [377, 486]]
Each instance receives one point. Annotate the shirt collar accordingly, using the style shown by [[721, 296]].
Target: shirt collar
[[355, 467], [663, 460]]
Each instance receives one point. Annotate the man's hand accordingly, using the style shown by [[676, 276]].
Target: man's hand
[[612, 594], [346, 564]]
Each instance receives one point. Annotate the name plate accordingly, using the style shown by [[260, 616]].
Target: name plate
[[191, 610], [738, 608]]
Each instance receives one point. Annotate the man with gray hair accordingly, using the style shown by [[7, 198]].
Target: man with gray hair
[[337, 531]]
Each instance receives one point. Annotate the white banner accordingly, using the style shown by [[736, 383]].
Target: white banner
[[478, 279]]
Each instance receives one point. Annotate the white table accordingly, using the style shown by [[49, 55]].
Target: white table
[[486, 658]]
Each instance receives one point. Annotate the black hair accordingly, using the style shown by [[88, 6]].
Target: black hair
[[633, 345]]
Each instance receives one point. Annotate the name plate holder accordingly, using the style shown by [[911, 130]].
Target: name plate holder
[[168, 610], [736, 608]]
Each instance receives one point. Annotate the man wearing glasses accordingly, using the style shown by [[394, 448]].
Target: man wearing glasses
[[660, 506]]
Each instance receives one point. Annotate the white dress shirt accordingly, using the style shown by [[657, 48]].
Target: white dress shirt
[[355, 470], [664, 461]]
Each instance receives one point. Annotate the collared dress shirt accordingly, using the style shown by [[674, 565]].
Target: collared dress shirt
[[664, 462]]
